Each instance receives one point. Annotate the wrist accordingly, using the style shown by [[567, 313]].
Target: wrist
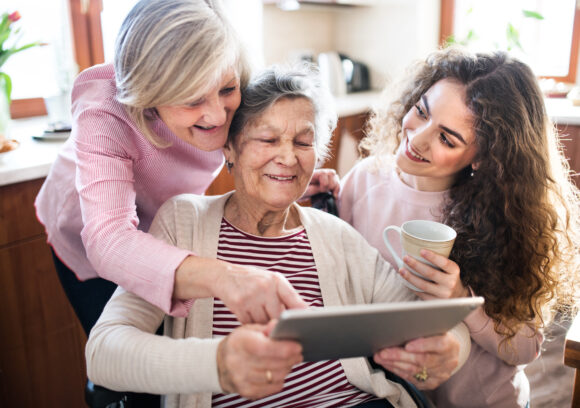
[[223, 375], [191, 280]]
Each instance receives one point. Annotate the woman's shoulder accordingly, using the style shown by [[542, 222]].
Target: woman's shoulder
[[370, 175], [371, 170], [188, 205], [95, 84], [94, 97], [196, 200], [330, 225]]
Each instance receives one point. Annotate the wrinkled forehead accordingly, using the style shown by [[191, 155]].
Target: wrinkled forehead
[[297, 109]]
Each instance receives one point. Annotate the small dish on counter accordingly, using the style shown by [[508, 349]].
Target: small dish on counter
[[8, 147], [574, 96]]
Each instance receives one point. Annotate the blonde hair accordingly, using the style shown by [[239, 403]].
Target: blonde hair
[[171, 52]]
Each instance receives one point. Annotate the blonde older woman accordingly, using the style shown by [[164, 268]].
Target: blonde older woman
[[148, 127], [208, 359]]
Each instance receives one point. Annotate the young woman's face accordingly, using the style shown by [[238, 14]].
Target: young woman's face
[[204, 123], [439, 140], [275, 156]]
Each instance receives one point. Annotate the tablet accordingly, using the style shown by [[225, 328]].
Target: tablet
[[360, 330]]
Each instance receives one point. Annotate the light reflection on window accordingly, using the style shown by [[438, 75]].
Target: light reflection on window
[[545, 44], [41, 71]]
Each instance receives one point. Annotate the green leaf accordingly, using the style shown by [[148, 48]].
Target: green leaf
[[6, 85], [450, 40], [532, 14], [470, 36], [513, 37]]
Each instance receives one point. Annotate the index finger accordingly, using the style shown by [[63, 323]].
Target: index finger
[[436, 259], [288, 295]]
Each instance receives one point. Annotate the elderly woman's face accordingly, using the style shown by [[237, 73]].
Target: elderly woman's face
[[274, 156], [205, 122]]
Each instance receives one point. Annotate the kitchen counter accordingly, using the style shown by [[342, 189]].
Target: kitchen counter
[[563, 112], [356, 103], [32, 160]]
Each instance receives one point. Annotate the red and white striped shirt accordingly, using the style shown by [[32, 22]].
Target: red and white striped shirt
[[309, 384]]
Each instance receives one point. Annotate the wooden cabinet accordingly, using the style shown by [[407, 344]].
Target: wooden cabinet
[[42, 360]]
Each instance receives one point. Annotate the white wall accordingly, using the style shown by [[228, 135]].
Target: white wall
[[286, 33], [246, 16], [387, 36]]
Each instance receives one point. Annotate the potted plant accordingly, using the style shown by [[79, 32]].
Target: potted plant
[[9, 36]]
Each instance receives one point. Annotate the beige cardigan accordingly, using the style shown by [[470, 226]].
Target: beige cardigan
[[123, 354]]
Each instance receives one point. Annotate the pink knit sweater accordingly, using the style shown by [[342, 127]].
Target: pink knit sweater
[[373, 198], [107, 184]]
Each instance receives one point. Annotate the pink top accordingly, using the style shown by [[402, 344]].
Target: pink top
[[107, 184], [370, 200]]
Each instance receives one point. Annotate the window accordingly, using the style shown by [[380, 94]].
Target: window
[[68, 27], [549, 45], [81, 33]]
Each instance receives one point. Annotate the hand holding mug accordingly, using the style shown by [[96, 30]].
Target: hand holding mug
[[424, 262]]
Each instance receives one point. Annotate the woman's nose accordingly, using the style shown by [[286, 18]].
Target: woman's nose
[[286, 154], [215, 112], [420, 136]]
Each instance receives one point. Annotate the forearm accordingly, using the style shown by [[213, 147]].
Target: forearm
[[138, 262], [461, 333], [523, 348], [124, 354], [197, 277]]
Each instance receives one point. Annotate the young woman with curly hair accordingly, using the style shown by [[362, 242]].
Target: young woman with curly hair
[[466, 141]]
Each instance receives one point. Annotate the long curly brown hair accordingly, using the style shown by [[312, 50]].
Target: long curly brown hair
[[516, 216]]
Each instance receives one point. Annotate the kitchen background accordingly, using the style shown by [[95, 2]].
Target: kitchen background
[[41, 344]]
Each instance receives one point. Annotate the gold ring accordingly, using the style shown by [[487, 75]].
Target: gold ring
[[269, 376], [422, 375]]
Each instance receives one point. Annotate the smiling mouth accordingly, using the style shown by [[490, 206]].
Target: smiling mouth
[[414, 155], [281, 178], [204, 127]]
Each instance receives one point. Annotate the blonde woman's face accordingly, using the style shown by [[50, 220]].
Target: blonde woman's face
[[205, 122], [439, 139]]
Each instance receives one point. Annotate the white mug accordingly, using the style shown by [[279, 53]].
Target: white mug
[[418, 234]]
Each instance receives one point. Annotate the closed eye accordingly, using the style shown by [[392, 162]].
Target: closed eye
[[195, 103], [420, 111], [445, 140], [228, 90]]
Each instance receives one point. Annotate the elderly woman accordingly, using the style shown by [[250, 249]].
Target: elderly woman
[[208, 359]]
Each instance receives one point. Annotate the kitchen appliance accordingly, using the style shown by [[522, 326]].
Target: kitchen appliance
[[342, 74], [330, 67], [356, 74]]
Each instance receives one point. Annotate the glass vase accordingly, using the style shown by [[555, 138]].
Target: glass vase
[[4, 115]]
